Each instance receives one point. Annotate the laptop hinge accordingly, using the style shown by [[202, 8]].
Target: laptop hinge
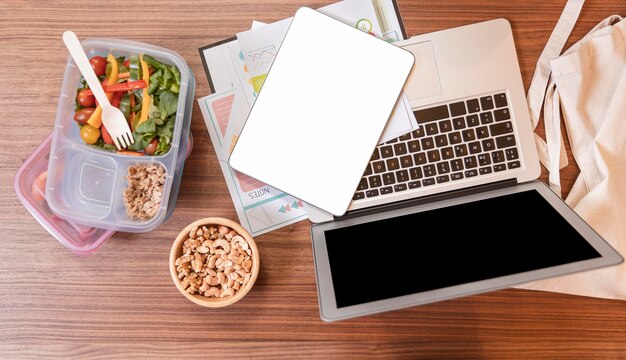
[[430, 198]]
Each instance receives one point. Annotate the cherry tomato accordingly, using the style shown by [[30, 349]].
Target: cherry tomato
[[106, 136], [151, 148], [99, 65], [83, 115], [85, 100], [89, 134], [38, 189]]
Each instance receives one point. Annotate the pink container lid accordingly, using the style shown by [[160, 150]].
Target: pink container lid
[[80, 239]]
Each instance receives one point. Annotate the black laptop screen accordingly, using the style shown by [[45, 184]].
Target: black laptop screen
[[450, 246]]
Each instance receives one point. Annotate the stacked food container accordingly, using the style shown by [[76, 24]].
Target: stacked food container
[[82, 201]]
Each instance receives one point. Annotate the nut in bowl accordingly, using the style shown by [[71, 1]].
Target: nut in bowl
[[214, 262]]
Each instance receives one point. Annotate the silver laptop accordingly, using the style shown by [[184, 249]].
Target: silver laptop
[[467, 95], [453, 208]]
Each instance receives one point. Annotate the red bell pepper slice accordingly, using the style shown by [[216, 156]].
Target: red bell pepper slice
[[123, 87]]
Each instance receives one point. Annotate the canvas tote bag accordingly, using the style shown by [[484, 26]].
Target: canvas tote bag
[[585, 87]]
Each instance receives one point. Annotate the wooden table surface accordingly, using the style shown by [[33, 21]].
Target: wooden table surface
[[122, 302]]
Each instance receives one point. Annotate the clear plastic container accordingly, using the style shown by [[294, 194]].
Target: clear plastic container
[[85, 184], [80, 239]]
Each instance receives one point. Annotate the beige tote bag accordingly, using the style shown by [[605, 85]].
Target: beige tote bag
[[585, 87]]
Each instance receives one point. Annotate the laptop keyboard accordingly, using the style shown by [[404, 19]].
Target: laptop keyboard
[[455, 141]]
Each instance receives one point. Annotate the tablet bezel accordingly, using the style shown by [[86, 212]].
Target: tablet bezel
[[326, 295]]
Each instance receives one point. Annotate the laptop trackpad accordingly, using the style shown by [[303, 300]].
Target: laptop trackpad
[[424, 78]]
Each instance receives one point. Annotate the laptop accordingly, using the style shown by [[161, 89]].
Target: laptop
[[452, 208]]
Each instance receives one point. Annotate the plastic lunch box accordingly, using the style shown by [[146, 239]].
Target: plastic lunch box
[[78, 238], [85, 184]]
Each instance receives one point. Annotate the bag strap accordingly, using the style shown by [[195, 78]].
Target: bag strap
[[551, 153]]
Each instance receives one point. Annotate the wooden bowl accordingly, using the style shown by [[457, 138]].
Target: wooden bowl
[[177, 250]]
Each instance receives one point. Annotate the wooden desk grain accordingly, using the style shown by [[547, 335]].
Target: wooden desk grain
[[121, 302]]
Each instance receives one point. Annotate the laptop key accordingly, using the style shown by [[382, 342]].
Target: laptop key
[[402, 175], [486, 117], [375, 155], [372, 193], [358, 196], [456, 164], [482, 132], [502, 114], [414, 146], [505, 141], [375, 181], [419, 158], [386, 151], [458, 123], [497, 156], [447, 153], [473, 106], [441, 140], [431, 114], [406, 161], [499, 167], [474, 147], [457, 109], [442, 179], [470, 162], [399, 187], [484, 159], [501, 128], [389, 178], [431, 128], [486, 103], [416, 134], [500, 100], [472, 120], [443, 167], [511, 153], [428, 182], [393, 164], [445, 126], [489, 144], [362, 184], [386, 190], [428, 143], [433, 155], [416, 173], [460, 150], [485, 170], [405, 137], [456, 176], [471, 173], [514, 165], [429, 170], [454, 138], [415, 184], [379, 167], [400, 148], [469, 135]]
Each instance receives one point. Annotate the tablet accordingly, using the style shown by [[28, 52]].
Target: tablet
[[322, 108], [450, 247]]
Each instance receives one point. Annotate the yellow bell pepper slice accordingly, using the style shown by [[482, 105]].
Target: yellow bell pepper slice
[[145, 104], [95, 119]]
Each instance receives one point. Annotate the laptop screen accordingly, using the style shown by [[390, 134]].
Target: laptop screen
[[449, 246]]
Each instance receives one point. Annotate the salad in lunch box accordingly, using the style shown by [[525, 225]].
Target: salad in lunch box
[[144, 89]]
